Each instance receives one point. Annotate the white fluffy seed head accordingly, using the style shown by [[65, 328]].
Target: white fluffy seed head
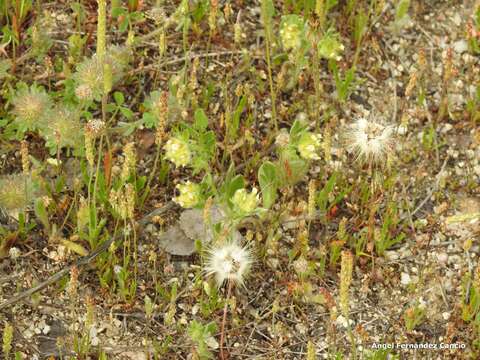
[[229, 262], [371, 141]]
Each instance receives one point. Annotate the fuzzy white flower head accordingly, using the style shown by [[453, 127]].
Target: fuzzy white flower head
[[229, 262], [190, 195], [31, 108], [282, 139], [244, 202], [178, 152], [370, 141], [309, 146], [301, 266], [117, 269], [14, 253]]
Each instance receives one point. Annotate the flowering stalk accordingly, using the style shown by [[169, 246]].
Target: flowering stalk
[[312, 190], [24, 154], [7, 340], [162, 106], [101, 29], [449, 73], [101, 54], [212, 24], [267, 23], [345, 281], [129, 161]]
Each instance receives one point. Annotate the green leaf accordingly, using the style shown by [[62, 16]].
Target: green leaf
[[361, 21], [290, 167], [322, 197], [201, 120], [41, 213], [126, 112], [119, 98], [124, 24], [268, 10], [235, 123], [77, 248], [117, 11], [211, 328], [267, 178], [402, 9], [236, 183], [149, 120], [330, 4], [296, 130], [110, 108]]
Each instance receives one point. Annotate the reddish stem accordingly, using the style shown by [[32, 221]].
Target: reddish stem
[[225, 308]]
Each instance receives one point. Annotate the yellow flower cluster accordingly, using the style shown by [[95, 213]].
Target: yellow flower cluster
[[309, 146], [190, 195], [244, 202], [178, 152]]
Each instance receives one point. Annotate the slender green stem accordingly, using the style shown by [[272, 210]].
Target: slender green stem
[[154, 170], [353, 355]]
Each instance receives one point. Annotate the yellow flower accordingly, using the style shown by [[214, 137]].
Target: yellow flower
[[309, 146], [244, 202], [291, 31], [190, 195], [178, 152], [330, 47]]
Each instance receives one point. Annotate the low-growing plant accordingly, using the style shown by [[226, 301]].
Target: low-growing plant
[[414, 316], [201, 335]]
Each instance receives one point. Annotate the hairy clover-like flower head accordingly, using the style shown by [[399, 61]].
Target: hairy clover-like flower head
[[178, 152], [309, 146], [16, 192], [31, 108], [90, 74], [190, 195], [330, 47], [292, 30], [64, 129], [244, 202]]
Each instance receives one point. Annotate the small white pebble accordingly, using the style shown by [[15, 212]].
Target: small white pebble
[[405, 279], [442, 258]]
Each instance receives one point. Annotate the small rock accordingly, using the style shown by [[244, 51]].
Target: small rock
[[460, 46], [405, 279], [150, 229], [402, 129], [442, 258], [342, 321], [391, 255], [446, 128]]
